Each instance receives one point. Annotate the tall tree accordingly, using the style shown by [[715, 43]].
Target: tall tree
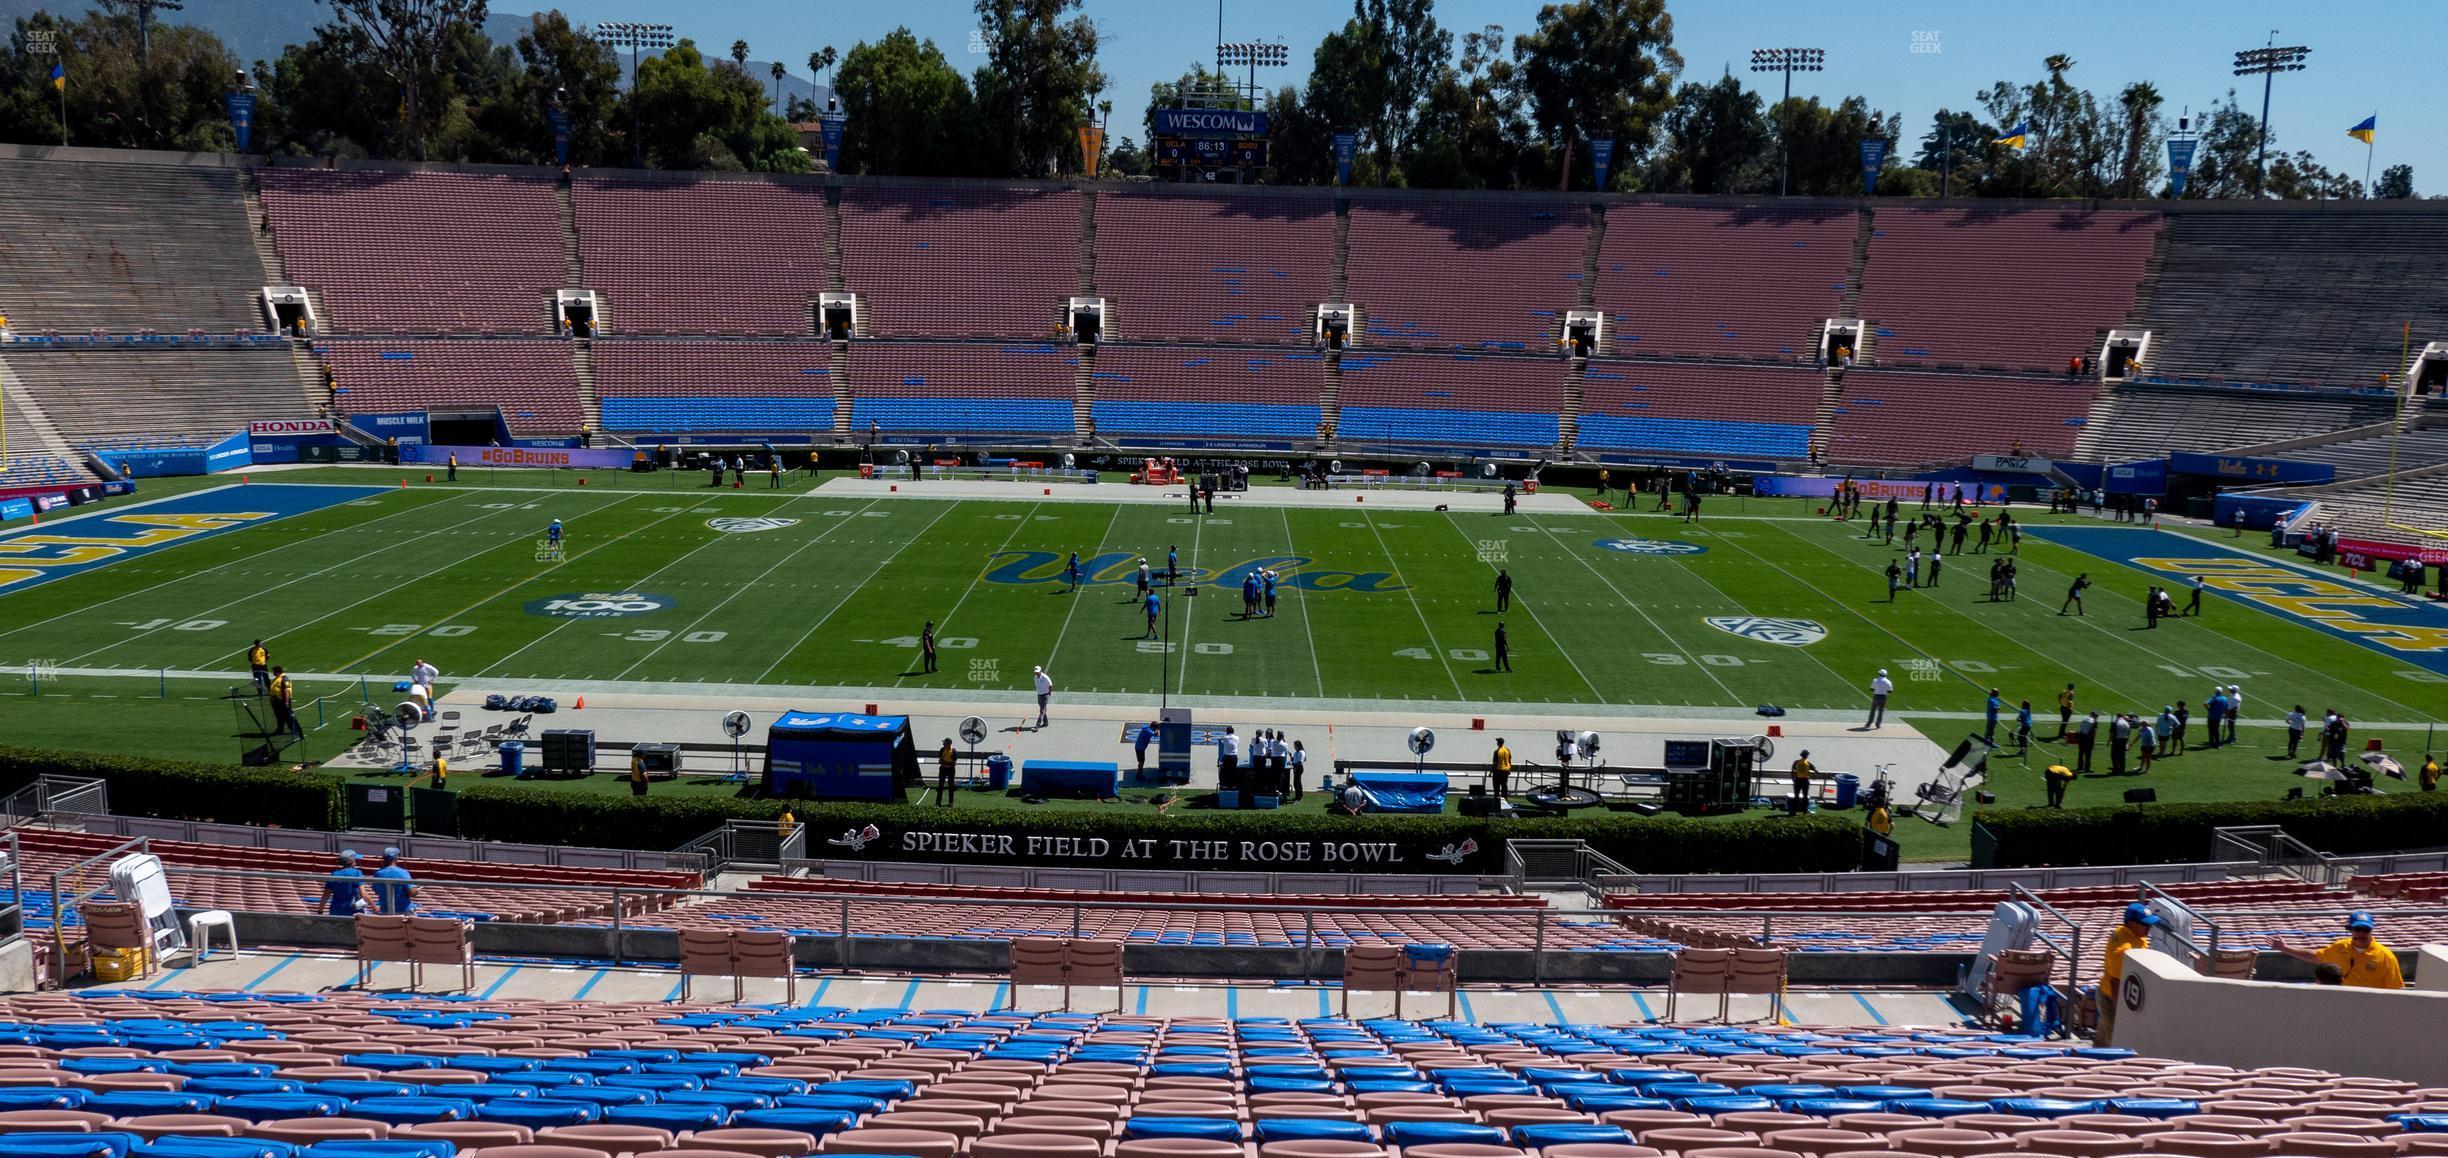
[[1596, 66], [2223, 160], [693, 116], [557, 61], [739, 55], [2298, 176], [1300, 139], [2138, 164], [2396, 183], [406, 38], [778, 72], [821, 61], [1040, 80], [111, 102], [909, 112], [1823, 142], [1164, 94], [1959, 148], [1716, 139]]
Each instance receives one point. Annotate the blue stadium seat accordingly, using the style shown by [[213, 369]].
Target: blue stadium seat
[[179, 1146], [1267, 1129], [1460, 428], [1433, 1133], [963, 415], [675, 1118], [538, 1113], [1714, 438], [694, 415], [64, 1145], [409, 1111], [1216, 1129], [1275, 422]]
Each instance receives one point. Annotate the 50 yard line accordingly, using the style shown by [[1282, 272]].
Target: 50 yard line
[[1535, 621], [743, 588], [1637, 609], [1413, 595], [854, 589], [971, 589]]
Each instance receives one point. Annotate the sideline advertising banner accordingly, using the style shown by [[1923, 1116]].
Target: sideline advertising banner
[[520, 456]]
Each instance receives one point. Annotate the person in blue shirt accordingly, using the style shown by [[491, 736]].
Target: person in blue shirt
[[552, 534], [393, 897], [1140, 742], [2217, 710], [1269, 579], [1154, 605], [2023, 727], [1074, 571], [1249, 595], [344, 890], [1995, 704], [1172, 564]]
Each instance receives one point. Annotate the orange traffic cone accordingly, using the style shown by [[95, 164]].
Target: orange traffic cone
[[580, 706]]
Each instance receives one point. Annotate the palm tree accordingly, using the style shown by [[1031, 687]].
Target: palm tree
[[821, 62], [2141, 101], [739, 54], [777, 75]]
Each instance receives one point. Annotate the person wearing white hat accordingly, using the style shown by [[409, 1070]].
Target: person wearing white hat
[[1045, 694], [2235, 709], [1880, 688]]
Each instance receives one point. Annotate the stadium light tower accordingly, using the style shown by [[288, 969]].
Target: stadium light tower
[[2266, 63], [1254, 54], [1788, 61], [634, 36]]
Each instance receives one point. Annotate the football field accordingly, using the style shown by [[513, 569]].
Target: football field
[[1763, 603]]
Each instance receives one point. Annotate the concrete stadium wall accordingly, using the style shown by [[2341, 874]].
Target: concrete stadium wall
[[2172, 1012]]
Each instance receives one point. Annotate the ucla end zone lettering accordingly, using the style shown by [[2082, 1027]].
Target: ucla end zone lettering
[[2405, 629], [1027, 568], [40, 553]]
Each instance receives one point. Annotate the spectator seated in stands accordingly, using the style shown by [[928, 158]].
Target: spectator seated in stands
[[2366, 963]]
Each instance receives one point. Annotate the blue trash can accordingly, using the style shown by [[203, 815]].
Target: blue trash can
[[514, 759], [998, 772], [1847, 786]]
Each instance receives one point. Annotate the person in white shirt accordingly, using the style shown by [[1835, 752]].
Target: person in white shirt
[[1045, 693], [423, 675], [2295, 730], [2235, 709], [1880, 688], [1228, 760], [1354, 799]]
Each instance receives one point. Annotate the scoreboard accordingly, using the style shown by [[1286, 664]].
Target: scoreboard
[[1210, 152]]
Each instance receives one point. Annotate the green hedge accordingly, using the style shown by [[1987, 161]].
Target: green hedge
[[1755, 843], [174, 790], [2173, 833]]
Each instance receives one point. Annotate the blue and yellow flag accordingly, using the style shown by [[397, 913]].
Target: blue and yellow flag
[[59, 76], [2367, 130], [2014, 138]]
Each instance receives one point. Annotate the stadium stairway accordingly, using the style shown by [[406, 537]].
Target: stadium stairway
[[25, 417]]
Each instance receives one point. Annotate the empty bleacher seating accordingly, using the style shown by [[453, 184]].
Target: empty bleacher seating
[[2021, 289], [1748, 282], [2141, 420], [531, 380], [399, 252], [1902, 418], [1711, 410], [124, 248], [703, 256], [1207, 393], [2316, 294], [1459, 399], [962, 388], [1214, 268], [698, 387], [955, 261], [158, 391], [1491, 273]]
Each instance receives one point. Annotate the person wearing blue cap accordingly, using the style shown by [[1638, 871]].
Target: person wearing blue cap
[[2367, 963], [393, 898], [345, 888], [2133, 934]]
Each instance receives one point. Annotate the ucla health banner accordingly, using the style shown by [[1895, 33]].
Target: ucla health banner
[[2147, 477], [2180, 163], [1602, 158], [242, 117], [2259, 470], [1344, 144], [833, 125], [1873, 154], [520, 456]]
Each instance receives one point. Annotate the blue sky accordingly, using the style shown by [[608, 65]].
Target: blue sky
[[2363, 61]]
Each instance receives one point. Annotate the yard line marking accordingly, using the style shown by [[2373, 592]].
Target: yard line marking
[[1637, 609], [971, 589], [182, 575], [261, 591], [1075, 595], [1181, 678], [1412, 594], [853, 589], [1315, 670], [741, 588], [1535, 621]]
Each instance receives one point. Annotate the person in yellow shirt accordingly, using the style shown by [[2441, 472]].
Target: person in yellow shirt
[[1802, 771], [1500, 769], [2430, 777], [259, 665], [441, 771], [2133, 934], [1881, 822], [2058, 776], [786, 824], [2367, 963]]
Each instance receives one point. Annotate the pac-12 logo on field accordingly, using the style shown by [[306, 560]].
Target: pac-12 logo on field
[[1650, 547], [1788, 632], [744, 526], [599, 605]]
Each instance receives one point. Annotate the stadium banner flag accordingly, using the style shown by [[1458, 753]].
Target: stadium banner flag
[[11, 509], [2016, 137], [834, 124], [1344, 145], [230, 453], [1873, 155], [2366, 129], [547, 458], [1602, 159], [2012, 464], [242, 116], [2180, 162], [2260, 470], [1899, 489], [2146, 477], [408, 426], [1092, 148], [561, 134]]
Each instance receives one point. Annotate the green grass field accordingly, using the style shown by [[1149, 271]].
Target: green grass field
[[1381, 605]]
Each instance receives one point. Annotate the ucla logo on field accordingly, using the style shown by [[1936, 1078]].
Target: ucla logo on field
[[1785, 632], [1631, 546], [1028, 568], [599, 605], [747, 526]]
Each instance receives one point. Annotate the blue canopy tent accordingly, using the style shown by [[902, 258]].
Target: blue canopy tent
[[839, 756]]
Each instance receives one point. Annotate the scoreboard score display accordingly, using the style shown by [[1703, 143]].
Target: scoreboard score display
[[1211, 152]]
